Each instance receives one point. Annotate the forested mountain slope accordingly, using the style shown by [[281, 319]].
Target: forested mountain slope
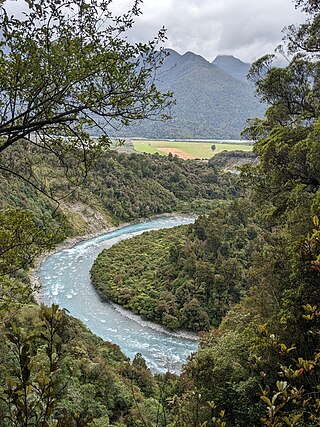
[[210, 102]]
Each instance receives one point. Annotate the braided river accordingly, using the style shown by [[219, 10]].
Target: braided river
[[65, 280]]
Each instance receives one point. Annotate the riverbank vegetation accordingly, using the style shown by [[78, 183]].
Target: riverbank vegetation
[[261, 365], [187, 277], [65, 373]]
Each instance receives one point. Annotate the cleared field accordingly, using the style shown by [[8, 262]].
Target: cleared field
[[187, 149]]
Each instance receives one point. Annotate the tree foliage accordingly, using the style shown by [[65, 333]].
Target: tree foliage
[[67, 69], [55, 372], [271, 328]]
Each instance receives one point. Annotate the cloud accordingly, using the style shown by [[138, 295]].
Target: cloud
[[245, 28]]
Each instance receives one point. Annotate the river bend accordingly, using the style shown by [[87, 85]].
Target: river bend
[[65, 280]]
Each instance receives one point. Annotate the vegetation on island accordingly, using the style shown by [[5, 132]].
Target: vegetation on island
[[261, 365]]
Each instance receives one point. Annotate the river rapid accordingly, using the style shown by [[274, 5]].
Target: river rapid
[[65, 280]]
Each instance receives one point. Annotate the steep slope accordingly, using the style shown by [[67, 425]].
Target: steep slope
[[233, 66], [210, 103]]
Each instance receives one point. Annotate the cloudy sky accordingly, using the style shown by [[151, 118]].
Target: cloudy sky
[[244, 28]]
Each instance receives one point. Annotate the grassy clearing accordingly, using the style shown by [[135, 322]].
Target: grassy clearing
[[187, 149]]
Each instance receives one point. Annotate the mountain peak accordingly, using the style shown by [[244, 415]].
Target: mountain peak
[[210, 103], [194, 59], [233, 66]]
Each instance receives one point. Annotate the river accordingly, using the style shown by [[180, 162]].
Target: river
[[65, 280]]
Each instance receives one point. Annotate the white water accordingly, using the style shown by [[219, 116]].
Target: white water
[[65, 280]]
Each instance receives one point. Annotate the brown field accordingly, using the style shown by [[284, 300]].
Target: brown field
[[175, 151]]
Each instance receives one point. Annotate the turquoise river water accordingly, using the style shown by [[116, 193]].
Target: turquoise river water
[[65, 280]]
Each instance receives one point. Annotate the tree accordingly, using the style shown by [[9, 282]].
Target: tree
[[33, 378], [22, 238], [287, 139], [292, 91], [67, 70]]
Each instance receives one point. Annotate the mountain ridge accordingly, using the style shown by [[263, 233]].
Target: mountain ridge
[[210, 102]]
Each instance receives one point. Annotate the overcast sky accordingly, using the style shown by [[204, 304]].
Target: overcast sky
[[246, 29]]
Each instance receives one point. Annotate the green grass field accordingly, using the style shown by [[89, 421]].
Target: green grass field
[[187, 150]]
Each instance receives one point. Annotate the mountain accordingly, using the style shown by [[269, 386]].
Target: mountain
[[210, 103], [233, 66]]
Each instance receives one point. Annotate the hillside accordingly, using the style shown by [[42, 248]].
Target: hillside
[[119, 187], [245, 274], [210, 102], [69, 374]]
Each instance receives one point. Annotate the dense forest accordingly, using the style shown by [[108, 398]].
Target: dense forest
[[246, 273], [188, 277], [118, 188]]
